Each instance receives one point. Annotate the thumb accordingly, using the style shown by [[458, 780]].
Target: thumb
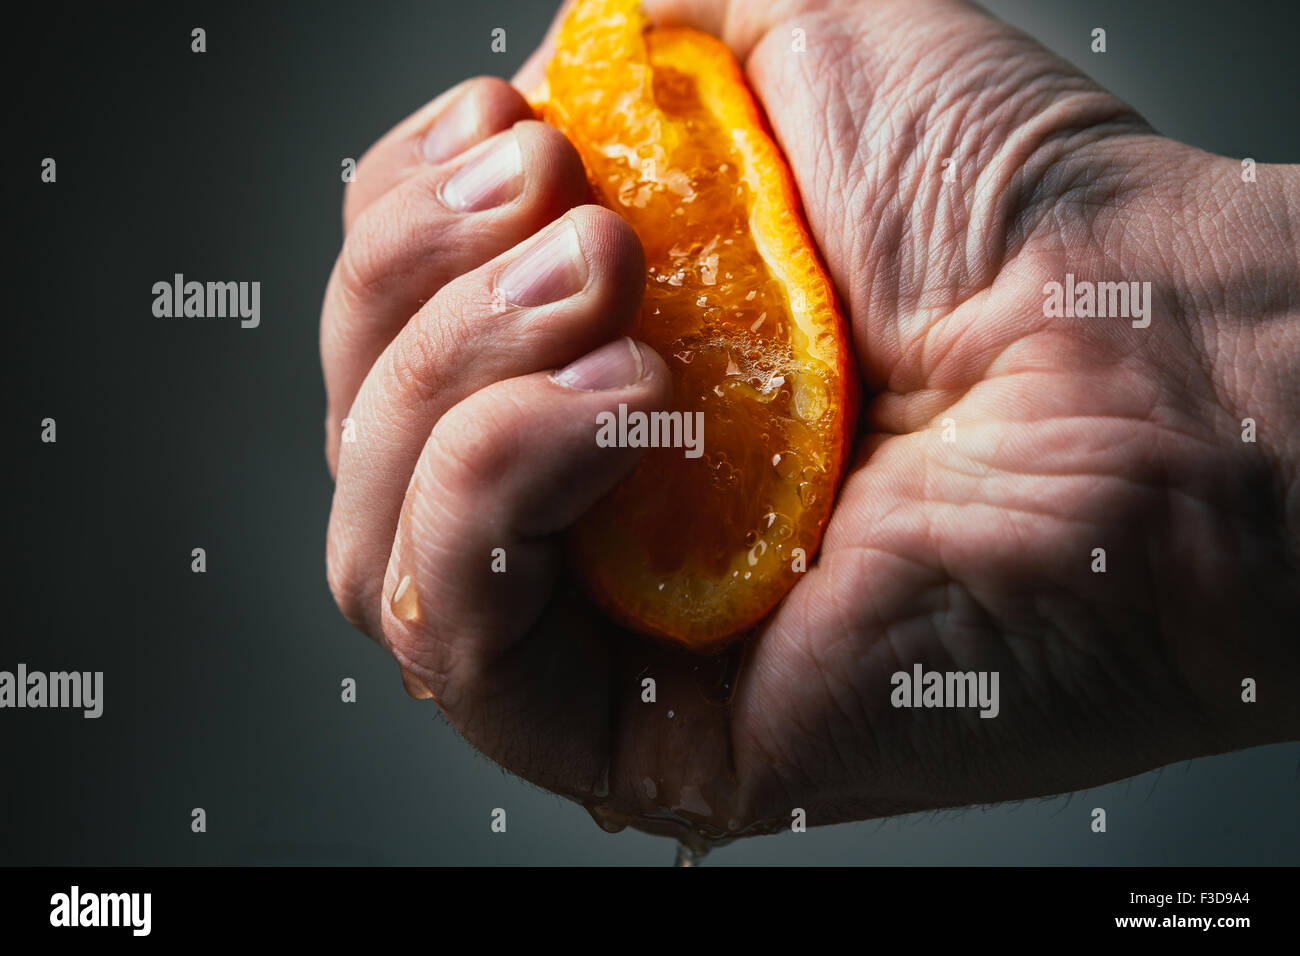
[[932, 145]]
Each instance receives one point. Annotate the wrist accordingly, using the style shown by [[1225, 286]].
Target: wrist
[[1222, 252], [1243, 299], [1243, 296]]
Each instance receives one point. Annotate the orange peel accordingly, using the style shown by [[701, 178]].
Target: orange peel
[[739, 304]]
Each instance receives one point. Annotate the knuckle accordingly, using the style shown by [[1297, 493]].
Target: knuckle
[[360, 268], [423, 352], [432, 349], [393, 240], [474, 447]]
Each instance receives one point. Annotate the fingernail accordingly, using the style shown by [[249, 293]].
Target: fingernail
[[615, 365], [453, 131], [490, 178], [552, 268]]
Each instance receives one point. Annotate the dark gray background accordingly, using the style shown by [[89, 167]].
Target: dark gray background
[[222, 690]]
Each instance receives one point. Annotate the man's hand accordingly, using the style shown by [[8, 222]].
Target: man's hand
[[950, 169]]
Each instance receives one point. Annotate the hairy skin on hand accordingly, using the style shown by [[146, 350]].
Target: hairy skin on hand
[[1071, 434], [976, 553]]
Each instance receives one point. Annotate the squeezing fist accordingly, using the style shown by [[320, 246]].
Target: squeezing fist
[[1064, 499]]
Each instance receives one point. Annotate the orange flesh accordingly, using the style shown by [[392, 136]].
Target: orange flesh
[[740, 307]]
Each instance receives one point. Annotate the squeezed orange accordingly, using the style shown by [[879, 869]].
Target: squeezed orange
[[740, 306]]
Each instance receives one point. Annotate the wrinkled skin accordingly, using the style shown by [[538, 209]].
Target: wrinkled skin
[[975, 553]]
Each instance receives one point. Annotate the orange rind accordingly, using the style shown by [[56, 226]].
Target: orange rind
[[739, 304]]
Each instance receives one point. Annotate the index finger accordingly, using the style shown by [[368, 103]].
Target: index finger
[[462, 117]]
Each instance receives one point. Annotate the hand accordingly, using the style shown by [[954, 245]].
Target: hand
[[973, 554]]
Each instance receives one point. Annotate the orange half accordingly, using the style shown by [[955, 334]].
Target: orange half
[[740, 306]]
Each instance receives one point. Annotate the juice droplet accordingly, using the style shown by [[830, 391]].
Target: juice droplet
[[414, 686], [779, 527], [806, 494], [810, 399], [406, 600], [688, 856], [716, 677], [611, 821], [602, 787], [786, 464]]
